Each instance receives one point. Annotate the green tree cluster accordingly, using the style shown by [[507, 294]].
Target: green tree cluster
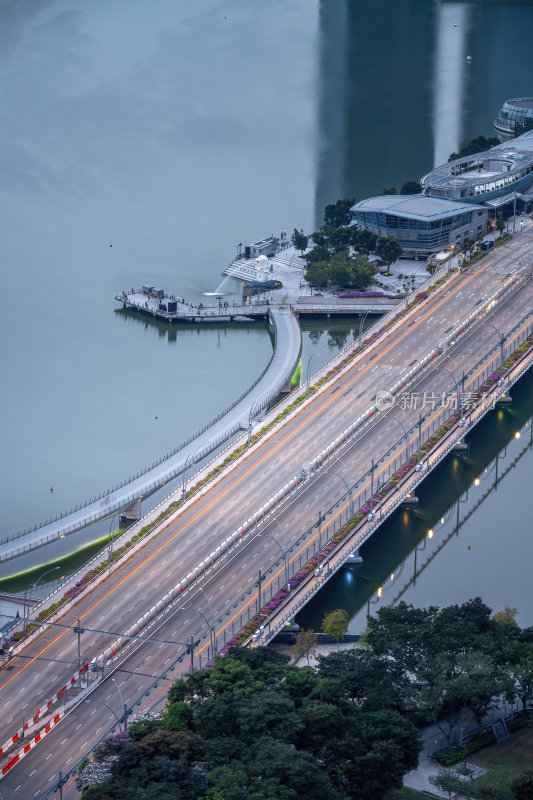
[[476, 145], [254, 726]]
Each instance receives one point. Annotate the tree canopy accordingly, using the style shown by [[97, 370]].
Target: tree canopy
[[254, 725]]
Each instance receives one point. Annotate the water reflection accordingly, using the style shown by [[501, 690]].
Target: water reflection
[[452, 25], [451, 546]]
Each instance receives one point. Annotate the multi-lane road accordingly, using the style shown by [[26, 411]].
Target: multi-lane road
[[33, 675]]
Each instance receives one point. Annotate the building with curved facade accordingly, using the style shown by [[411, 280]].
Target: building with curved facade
[[420, 224], [513, 115], [456, 200], [482, 177]]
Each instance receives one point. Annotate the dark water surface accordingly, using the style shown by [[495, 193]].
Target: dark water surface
[[173, 131], [470, 535]]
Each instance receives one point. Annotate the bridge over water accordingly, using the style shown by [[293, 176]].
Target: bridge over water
[[275, 378]]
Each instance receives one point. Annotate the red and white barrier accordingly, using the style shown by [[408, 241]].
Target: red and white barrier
[[43, 710], [31, 744]]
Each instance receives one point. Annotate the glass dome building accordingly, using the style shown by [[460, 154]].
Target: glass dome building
[[513, 115]]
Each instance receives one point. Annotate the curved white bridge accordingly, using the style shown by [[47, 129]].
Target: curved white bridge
[[237, 417]]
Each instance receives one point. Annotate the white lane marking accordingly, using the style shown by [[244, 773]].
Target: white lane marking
[[78, 726], [49, 756], [18, 787], [33, 773], [63, 742]]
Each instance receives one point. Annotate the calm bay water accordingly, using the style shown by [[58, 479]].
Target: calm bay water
[[173, 131], [469, 536]]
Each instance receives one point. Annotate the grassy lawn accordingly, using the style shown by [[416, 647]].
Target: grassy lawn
[[404, 794], [515, 753]]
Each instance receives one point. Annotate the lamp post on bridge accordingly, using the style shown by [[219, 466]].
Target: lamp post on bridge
[[283, 552], [28, 592], [187, 465], [348, 489], [255, 410], [361, 324], [308, 374], [501, 337], [124, 707]]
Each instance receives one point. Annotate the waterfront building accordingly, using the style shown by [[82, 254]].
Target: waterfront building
[[513, 115], [421, 224], [457, 199], [488, 176]]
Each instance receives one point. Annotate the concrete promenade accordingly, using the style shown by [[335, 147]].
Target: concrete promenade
[[273, 380]]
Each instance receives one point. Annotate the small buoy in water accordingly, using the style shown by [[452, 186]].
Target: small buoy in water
[[156, 417], [469, 545], [51, 489], [469, 58], [110, 245]]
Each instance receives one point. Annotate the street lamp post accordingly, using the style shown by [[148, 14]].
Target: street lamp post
[[348, 488], [102, 703], [187, 465], [361, 323], [308, 375], [371, 515], [253, 412], [124, 707], [79, 630], [29, 589], [406, 435], [283, 552], [339, 459], [501, 337], [211, 628], [203, 591]]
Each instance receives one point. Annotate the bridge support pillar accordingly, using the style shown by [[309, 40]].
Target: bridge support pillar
[[504, 400], [132, 513], [460, 447]]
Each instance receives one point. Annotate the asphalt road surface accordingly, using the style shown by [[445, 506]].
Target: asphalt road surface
[[36, 673]]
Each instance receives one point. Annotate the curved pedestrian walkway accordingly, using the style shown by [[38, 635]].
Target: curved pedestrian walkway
[[275, 377]]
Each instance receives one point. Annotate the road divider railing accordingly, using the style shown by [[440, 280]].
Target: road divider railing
[[32, 743], [44, 710]]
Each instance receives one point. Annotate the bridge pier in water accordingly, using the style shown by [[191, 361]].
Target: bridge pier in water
[[132, 513]]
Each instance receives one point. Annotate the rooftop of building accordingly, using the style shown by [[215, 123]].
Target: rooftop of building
[[520, 102], [414, 206], [512, 156]]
